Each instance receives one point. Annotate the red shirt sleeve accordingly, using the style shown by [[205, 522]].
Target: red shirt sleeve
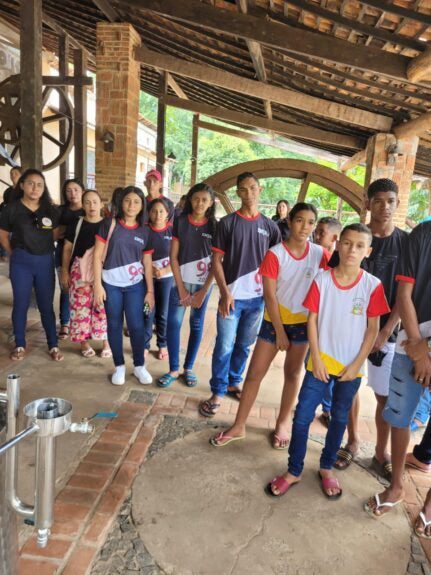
[[270, 266], [312, 299], [326, 256], [378, 304]]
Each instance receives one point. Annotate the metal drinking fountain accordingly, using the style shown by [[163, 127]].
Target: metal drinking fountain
[[47, 418]]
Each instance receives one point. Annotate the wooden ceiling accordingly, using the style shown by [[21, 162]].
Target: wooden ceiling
[[348, 52]]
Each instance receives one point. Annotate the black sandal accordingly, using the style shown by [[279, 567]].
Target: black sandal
[[235, 393], [208, 408], [344, 458], [64, 332]]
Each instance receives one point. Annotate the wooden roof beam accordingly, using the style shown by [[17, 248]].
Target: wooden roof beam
[[256, 56], [293, 130], [392, 8], [51, 23], [419, 69], [283, 96], [354, 161], [279, 36], [359, 27], [176, 87], [415, 127]]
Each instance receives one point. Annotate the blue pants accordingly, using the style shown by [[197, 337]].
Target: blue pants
[[310, 396], [28, 271], [327, 397], [175, 319], [424, 405], [64, 296], [159, 314], [127, 301], [235, 334]]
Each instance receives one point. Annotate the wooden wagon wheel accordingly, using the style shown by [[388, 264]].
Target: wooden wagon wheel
[[56, 108]]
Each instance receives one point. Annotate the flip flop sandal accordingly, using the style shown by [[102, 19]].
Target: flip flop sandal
[[55, 354], [372, 510], [279, 442], [425, 524], [234, 393], [330, 483], [208, 408], [190, 378], [64, 332], [17, 354], [281, 484], [383, 469], [89, 352], [346, 457], [225, 438], [166, 380], [106, 354]]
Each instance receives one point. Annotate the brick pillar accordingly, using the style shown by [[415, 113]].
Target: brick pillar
[[117, 105], [388, 157]]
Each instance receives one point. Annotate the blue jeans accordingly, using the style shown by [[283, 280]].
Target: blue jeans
[[424, 406], [159, 314], [310, 396], [28, 271], [235, 334], [127, 301], [404, 393], [327, 397], [175, 319], [64, 296]]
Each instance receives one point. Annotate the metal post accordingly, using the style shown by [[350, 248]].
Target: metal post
[[45, 487]]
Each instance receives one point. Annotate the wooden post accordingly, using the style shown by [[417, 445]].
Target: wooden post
[[80, 131], [31, 84], [63, 69], [304, 189], [161, 123], [195, 142]]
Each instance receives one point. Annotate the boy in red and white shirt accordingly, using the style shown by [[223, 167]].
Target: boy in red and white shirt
[[344, 304]]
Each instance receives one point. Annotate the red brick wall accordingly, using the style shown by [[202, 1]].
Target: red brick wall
[[398, 166], [117, 105]]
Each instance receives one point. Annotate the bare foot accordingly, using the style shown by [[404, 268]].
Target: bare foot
[[423, 523]]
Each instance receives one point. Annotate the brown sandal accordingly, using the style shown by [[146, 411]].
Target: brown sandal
[[17, 354], [64, 332], [55, 354]]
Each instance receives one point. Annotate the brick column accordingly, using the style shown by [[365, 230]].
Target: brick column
[[388, 157], [117, 105]]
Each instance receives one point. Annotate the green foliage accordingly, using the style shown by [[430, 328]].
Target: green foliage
[[419, 203]]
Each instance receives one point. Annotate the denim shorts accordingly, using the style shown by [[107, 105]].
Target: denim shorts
[[404, 393], [297, 332]]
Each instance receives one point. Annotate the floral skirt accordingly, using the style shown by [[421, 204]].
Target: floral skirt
[[87, 320]]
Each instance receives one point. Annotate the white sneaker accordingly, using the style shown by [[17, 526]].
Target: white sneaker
[[119, 375], [143, 375]]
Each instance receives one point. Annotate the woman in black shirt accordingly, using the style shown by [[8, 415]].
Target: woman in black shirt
[[70, 212], [31, 221]]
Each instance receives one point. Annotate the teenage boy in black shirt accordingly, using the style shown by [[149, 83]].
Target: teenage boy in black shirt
[[411, 368], [387, 246]]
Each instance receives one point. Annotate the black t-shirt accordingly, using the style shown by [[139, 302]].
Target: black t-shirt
[[194, 256], [68, 216], [30, 231], [161, 241], [244, 243], [415, 267], [86, 237], [383, 263], [9, 195]]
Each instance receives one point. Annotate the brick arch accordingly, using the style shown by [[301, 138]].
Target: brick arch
[[308, 172]]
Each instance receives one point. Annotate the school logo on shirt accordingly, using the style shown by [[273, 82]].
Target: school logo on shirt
[[140, 240], [308, 273], [209, 236], [46, 223], [263, 232], [358, 306]]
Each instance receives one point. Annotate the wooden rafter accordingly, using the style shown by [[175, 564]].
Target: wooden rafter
[[357, 26], [302, 132], [355, 160], [415, 127], [243, 85], [279, 35], [256, 55], [399, 11]]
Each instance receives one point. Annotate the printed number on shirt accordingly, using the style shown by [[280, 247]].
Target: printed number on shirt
[[203, 269], [135, 271]]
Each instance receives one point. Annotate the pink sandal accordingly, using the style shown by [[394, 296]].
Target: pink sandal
[[281, 484], [327, 483]]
